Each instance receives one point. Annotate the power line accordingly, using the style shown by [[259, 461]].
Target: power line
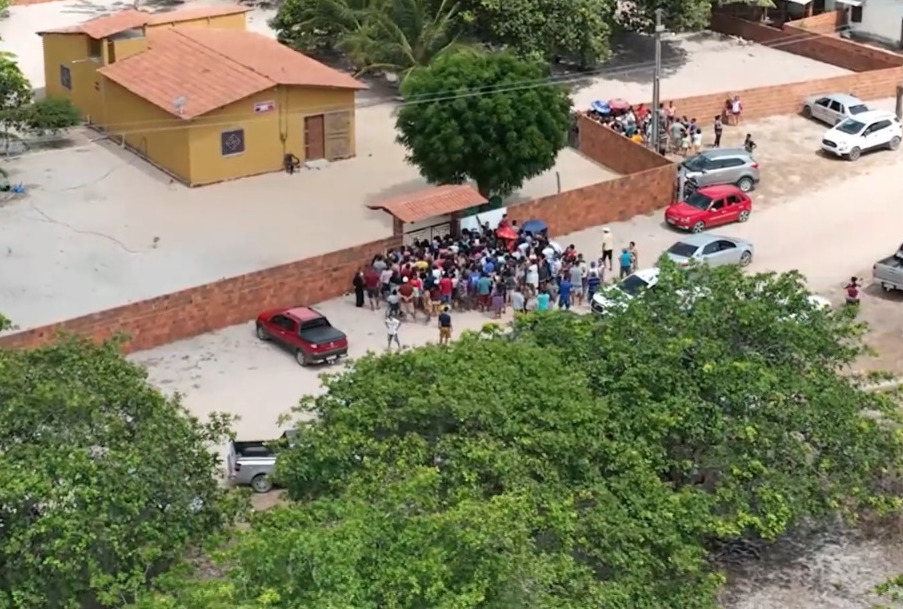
[[140, 127]]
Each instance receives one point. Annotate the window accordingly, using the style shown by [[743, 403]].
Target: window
[[879, 126], [65, 77], [733, 200], [95, 48], [836, 106], [725, 245], [718, 205], [734, 162], [281, 321], [711, 248], [856, 14], [232, 142], [824, 101]]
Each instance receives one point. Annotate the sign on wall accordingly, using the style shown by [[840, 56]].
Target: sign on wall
[[264, 106]]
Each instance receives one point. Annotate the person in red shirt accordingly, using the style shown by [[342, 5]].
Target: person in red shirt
[[417, 285], [407, 298], [446, 288], [371, 282]]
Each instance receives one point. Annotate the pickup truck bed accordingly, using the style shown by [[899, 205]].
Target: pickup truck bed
[[321, 335], [888, 272]]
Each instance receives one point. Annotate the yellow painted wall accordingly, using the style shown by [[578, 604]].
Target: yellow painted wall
[[153, 132], [268, 136], [221, 22], [72, 51]]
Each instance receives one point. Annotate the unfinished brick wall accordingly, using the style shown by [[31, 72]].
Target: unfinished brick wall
[[613, 150], [172, 317], [602, 203], [827, 23]]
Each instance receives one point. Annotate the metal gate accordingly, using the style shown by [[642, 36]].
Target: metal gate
[[429, 233]]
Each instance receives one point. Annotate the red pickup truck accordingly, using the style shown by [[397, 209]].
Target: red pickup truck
[[306, 333]]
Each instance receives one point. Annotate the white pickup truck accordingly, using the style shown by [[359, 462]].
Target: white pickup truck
[[888, 272], [252, 462]]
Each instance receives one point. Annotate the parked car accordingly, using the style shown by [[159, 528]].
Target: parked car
[[888, 272], [613, 297], [252, 463], [833, 108], [304, 332], [722, 166], [710, 206], [871, 130], [711, 249]]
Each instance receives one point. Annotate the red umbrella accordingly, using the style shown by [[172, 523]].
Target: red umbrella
[[618, 104], [506, 232]]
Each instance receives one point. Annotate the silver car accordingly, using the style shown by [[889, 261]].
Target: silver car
[[715, 250], [722, 166], [833, 108]]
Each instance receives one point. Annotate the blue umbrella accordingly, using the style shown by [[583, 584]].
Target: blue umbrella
[[534, 226], [601, 107]]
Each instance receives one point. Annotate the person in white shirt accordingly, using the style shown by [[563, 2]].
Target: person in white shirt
[[392, 325], [608, 247], [533, 274], [697, 141]]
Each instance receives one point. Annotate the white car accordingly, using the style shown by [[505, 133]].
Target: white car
[[867, 131], [612, 298], [833, 108]]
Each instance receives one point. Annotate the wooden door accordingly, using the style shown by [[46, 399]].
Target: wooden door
[[314, 138]]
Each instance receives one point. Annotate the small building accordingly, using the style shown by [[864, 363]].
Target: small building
[[877, 20], [198, 95], [430, 213]]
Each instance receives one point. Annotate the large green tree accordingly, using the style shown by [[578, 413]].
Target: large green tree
[[104, 481], [489, 118]]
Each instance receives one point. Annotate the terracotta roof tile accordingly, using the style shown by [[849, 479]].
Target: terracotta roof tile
[[204, 67], [432, 202], [277, 62], [178, 67], [120, 21]]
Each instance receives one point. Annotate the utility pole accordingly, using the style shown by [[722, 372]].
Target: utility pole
[[656, 117]]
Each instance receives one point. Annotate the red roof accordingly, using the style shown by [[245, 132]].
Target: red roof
[[129, 19], [431, 202]]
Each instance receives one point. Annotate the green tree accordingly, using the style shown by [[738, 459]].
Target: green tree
[[50, 115], [734, 384], [490, 118], [15, 90], [319, 26], [552, 30], [104, 481]]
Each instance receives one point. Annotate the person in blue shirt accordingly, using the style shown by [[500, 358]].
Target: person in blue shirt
[[542, 301], [564, 294], [626, 262]]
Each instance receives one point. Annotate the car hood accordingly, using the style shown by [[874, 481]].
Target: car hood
[[683, 210]]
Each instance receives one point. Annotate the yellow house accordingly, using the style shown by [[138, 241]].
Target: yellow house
[[199, 96]]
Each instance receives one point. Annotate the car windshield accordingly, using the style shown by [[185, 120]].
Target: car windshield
[[632, 285], [697, 163], [850, 126], [699, 200], [684, 250], [858, 109]]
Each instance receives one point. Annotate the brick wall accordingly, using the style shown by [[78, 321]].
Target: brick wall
[[826, 23], [808, 43], [604, 146], [172, 317], [602, 203]]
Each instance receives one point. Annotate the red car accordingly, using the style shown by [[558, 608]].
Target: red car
[[306, 333], [710, 206]]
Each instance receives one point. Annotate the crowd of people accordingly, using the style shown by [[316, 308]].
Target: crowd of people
[[678, 134], [486, 270]]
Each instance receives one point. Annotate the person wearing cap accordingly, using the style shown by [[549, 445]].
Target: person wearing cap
[[608, 247], [406, 291]]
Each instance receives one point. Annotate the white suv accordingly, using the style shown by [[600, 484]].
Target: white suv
[[865, 131]]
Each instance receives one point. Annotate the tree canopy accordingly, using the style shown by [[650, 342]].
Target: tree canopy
[[472, 117], [104, 482], [574, 461]]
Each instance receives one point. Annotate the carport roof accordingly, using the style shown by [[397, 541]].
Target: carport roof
[[192, 71], [431, 202]]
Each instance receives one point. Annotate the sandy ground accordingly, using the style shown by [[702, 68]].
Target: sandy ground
[[100, 228]]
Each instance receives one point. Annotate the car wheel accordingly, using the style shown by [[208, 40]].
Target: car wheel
[[855, 153], [698, 227], [744, 215], [807, 111], [745, 184], [301, 358], [894, 143], [746, 258], [262, 333], [261, 483]]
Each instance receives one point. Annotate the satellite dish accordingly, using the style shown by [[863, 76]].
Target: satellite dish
[[179, 104]]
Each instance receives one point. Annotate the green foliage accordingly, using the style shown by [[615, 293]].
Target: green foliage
[[15, 90], [104, 482], [48, 115], [5, 323], [572, 30], [490, 118], [387, 35]]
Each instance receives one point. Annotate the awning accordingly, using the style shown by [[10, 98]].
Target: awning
[[431, 202], [800, 2], [850, 2]]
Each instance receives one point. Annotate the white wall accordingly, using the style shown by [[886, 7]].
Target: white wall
[[881, 20]]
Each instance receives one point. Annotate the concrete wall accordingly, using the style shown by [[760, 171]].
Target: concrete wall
[[205, 308], [881, 21], [268, 135], [615, 151]]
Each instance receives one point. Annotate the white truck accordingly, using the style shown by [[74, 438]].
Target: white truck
[[888, 272]]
